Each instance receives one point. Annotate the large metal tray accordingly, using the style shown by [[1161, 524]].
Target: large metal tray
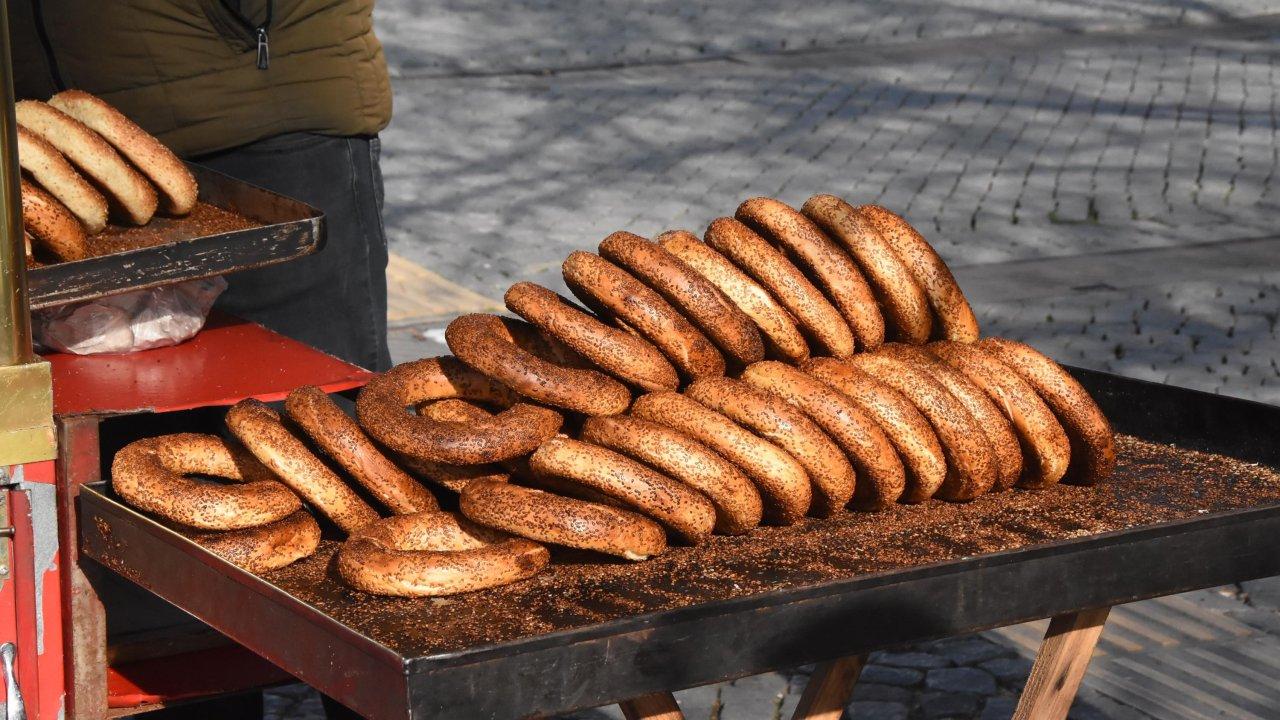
[[288, 229], [1194, 503]]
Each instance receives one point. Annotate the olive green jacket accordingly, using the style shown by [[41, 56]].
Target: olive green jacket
[[188, 70]]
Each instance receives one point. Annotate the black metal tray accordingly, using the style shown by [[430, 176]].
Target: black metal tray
[[1195, 503], [288, 229]]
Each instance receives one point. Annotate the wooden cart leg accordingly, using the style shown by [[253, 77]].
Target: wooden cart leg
[[829, 689], [656, 706], [1060, 665]]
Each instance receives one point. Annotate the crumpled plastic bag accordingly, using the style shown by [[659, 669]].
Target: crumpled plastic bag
[[139, 320]]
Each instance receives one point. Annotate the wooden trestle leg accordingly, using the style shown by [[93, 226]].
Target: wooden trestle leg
[[1060, 665], [656, 706], [829, 689]]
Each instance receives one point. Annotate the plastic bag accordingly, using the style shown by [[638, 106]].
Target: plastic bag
[[129, 322]]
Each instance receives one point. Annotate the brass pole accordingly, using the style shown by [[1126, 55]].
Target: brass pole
[[15, 317], [26, 386]]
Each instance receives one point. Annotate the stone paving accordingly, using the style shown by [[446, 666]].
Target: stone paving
[[1101, 175]]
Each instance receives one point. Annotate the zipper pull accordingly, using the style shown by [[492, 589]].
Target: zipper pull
[[264, 50]]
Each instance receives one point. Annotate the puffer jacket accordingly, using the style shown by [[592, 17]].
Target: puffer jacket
[[206, 75]]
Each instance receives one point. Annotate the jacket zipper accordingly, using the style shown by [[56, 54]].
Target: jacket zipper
[[258, 33]]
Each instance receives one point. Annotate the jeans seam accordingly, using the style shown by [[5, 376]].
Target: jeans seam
[[371, 334]]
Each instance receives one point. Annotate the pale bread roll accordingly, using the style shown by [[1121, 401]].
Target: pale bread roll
[[171, 176], [52, 172], [52, 225], [89, 152]]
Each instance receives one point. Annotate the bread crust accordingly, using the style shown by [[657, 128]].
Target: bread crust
[[94, 157], [781, 336], [265, 547], [53, 173], [177, 186], [52, 225], [834, 272]]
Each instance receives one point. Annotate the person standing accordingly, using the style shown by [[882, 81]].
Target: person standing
[[286, 94]]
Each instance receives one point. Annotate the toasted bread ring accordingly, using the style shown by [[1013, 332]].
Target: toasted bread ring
[[617, 294], [622, 354], [484, 343], [830, 472], [994, 424], [454, 477], [690, 293], [548, 518], [51, 170], [971, 463], [89, 152], [781, 479], [174, 180], [737, 503], [676, 505], [820, 321], [781, 336], [434, 553], [881, 476], [909, 430], [342, 440], [518, 430], [259, 428], [52, 225], [906, 309], [265, 547], [150, 474], [1044, 441], [1093, 445], [955, 317], [834, 272]]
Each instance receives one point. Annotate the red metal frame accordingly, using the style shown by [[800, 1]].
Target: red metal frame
[[56, 628]]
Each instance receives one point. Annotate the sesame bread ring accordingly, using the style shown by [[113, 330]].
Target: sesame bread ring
[[994, 424], [517, 430], [881, 477], [737, 502], [52, 225], [833, 271], [817, 317], [342, 440], [259, 428], [548, 518], [690, 293], [150, 474], [265, 547], [454, 477], [971, 463], [91, 154], [830, 472], [781, 479], [1044, 442], [782, 338], [622, 354], [50, 169], [909, 430], [906, 309], [434, 553], [483, 342], [679, 507], [174, 180], [1093, 448], [955, 318], [617, 294]]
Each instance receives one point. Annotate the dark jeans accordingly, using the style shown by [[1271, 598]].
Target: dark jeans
[[336, 299]]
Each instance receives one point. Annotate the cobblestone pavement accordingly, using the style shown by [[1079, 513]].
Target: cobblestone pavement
[[1102, 176]]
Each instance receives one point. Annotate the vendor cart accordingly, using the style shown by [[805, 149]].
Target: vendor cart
[[106, 612]]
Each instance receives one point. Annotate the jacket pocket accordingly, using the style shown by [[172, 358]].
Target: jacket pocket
[[231, 24]]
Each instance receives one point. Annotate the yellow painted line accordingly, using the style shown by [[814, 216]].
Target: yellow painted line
[[416, 294]]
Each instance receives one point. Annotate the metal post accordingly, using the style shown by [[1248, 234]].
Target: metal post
[[26, 392]]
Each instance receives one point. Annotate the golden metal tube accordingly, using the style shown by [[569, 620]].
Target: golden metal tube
[[15, 316]]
